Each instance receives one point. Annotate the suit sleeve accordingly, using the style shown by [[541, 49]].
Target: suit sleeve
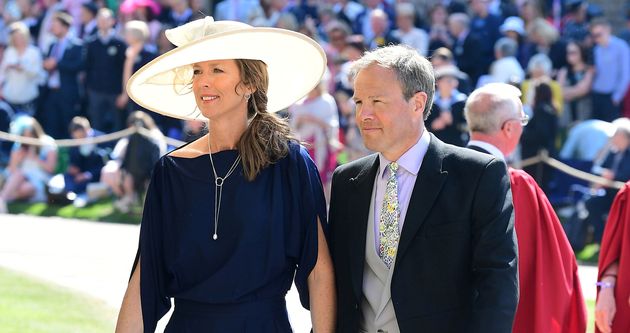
[[494, 263], [72, 60]]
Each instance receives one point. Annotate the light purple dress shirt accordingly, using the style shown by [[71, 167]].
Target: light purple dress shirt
[[408, 167]]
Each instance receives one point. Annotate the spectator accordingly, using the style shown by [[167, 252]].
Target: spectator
[[587, 139], [506, 69], [612, 311], [46, 37], [544, 38], [88, 26], [133, 158], [540, 134], [315, 120], [407, 33], [30, 166], [609, 86], [86, 160], [104, 59], [236, 10], [143, 10], [467, 48], [444, 57], [446, 119], [268, 13], [163, 44], [362, 23], [381, 30], [485, 26], [574, 23], [176, 13], [539, 69], [576, 80], [615, 165], [514, 28], [136, 56], [438, 30], [63, 63], [6, 116], [21, 70], [347, 10]]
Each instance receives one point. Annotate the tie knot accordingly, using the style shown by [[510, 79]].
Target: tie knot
[[393, 167]]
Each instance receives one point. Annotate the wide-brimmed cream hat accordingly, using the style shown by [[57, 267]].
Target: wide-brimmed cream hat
[[295, 64]]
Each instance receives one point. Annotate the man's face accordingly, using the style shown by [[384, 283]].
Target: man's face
[[387, 121], [600, 34], [620, 141]]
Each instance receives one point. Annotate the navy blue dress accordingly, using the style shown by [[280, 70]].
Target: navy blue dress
[[267, 237]]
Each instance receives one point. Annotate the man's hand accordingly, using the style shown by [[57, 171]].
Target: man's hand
[[50, 64], [605, 310]]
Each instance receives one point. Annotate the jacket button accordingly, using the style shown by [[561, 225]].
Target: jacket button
[[356, 306]]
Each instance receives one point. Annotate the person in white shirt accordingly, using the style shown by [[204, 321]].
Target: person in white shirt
[[407, 32], [506, 68], [21, 70]]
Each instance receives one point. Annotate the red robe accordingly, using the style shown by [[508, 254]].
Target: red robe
[[616, 247], [551, 299]]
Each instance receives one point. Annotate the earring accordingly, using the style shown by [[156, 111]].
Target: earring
[[247, 97]]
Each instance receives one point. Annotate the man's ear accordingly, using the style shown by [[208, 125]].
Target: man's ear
[[420, 101]]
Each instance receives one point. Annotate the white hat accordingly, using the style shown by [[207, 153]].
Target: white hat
[[513, 23], [295, 64]]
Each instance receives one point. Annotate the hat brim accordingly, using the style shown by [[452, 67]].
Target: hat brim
[[295, 64]]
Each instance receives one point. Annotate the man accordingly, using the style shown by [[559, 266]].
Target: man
[[381, 30], [467, 48], [609, 86], [104, 60], [552, 301], [64, 61], [422, 232], [615, 165]]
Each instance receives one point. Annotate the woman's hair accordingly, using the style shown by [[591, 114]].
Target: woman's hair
[[21, 29], [584, 51], [141, 119], [26, 123], [266, 139], [545, 30], [540, 61], [542, 94], [139, 30]]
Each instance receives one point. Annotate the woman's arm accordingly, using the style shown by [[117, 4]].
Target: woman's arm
[[606, 307], [321, 287], [130, 316], [50, 163]]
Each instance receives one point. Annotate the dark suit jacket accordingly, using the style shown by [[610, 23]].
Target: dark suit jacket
[[69, 66], [456, 268], [468, 55]]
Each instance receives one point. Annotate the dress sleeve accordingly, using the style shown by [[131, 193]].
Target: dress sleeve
[[308, 203], [155, 304]]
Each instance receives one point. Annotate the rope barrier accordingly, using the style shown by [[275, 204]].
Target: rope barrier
[[85, 141], [543, 157]]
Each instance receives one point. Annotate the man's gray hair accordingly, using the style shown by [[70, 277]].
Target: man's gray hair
[[622, 125], [488, 107], [506, 46], [414, 72]]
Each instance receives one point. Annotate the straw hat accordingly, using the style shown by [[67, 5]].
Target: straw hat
[[295, 64]]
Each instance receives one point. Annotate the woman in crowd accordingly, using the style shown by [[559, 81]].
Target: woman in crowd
[[21, 70], [576, 79], [30, 166]]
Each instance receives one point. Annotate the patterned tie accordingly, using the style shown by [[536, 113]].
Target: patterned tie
[[390, 213]]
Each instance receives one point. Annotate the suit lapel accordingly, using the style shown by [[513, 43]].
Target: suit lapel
[[428, 185], [362, 185]]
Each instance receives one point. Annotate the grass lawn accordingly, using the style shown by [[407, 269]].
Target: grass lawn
[[102, 210], [29, 305]]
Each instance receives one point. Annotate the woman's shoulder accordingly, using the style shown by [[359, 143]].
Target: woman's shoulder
[[192, 149]]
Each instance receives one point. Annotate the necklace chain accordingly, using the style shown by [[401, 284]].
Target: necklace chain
[[218, 187]]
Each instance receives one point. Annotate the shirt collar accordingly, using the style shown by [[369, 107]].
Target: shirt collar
[[492, 149], [411, 160]]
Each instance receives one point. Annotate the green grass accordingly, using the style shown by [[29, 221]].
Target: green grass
[[29, 305], [589, 255], [102, 210], [590, 305]]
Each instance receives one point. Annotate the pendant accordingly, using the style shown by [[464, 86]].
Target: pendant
[[215, 236]]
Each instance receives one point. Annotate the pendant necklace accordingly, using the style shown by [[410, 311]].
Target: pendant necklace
[[218, 187]]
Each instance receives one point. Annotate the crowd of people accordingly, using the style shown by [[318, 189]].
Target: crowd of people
[[68, 59]]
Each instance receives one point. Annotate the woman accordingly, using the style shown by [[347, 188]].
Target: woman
[[231, 218], [438, 31], [21, 69], [576, 79], [30, 166]]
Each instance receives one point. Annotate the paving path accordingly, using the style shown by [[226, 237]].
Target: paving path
[[95, 258]]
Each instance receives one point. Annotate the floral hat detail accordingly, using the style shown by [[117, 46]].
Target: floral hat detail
[[295, 64]]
